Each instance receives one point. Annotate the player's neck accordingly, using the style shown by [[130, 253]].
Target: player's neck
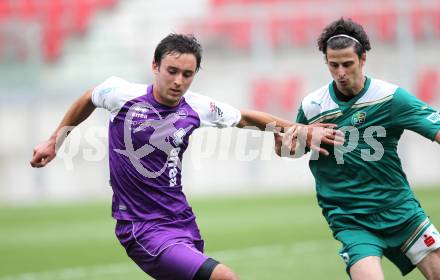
[[349, 93], [162, 101]]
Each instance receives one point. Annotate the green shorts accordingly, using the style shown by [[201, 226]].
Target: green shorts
[[379, 234]]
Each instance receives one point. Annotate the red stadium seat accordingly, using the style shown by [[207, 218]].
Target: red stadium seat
[[52, 33], [234, 33], [241, 34], [290, 89], [27, 9], [387, 24], [436, 21], [282, 94], [82, 11], [417, 18], [5, 9], [260, 91], [105, 3], [53, 39], [428, 84], [58, 19]]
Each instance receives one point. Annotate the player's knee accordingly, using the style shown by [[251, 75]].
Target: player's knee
[[222, 272]]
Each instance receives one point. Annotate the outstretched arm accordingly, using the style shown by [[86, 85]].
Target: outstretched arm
[[310, 136], [297, 138], [77, 113], [262, 121]]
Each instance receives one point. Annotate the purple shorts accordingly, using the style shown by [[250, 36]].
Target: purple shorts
[[168, 248]]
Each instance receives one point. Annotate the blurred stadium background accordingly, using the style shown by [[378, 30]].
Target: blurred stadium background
[[258, 54]]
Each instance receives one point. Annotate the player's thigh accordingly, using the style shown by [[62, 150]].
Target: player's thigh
[[368, 268], [180, 262], [430, 265], [177, 262], [358, 244]]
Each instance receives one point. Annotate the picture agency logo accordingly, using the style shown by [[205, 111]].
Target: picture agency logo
[[158, 134]]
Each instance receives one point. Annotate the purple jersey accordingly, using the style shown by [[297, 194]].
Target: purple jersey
[[146, 144]]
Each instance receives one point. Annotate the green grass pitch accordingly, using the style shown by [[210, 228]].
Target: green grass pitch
[[262, 237]]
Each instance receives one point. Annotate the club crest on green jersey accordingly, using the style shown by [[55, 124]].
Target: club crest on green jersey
[[358, 118]]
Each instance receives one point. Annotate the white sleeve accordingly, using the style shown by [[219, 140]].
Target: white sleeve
[[106, 95], [114, 92], [211, 112]]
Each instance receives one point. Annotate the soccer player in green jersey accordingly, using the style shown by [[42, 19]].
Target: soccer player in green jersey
[[361, 187]]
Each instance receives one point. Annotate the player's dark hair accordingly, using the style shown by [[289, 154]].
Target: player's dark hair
[[178, 43], [344, 27]]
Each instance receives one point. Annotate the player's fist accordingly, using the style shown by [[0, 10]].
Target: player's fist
[[43, 154]]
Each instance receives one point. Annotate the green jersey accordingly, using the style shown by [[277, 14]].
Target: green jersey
[[365, 175]]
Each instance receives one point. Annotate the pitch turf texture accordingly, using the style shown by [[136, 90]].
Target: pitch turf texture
[[265, 237]]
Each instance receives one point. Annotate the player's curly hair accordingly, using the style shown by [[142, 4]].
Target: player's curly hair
[[178, 43], [345, 27]]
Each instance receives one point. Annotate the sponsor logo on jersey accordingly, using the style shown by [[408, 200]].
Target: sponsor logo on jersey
[[428, 240], [215, 109], [178, 136], [105, 91], [173, 165], [434, 117], [358, 118], [140, 109], [140, 115], [316, 103], [140, 112], [345, 257]]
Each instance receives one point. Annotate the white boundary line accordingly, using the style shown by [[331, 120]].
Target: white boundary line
[[85, 272]]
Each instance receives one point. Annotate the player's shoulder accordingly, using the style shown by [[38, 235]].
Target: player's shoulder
[[317, 96], [378, 91], [318, 103], [198, 101], [120, 86], [382, 87], [118, 82], [191, 95], [382, 84], [114, 91], [113, 81]]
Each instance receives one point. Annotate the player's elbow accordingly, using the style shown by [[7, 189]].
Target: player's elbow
[[245, 119]]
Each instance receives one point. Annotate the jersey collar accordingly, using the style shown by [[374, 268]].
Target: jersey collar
[[354, 99]]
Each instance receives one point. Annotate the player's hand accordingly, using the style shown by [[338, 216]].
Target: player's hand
[[283, 144], [286, 144], [321, 133], [293, 142], [43, 154]]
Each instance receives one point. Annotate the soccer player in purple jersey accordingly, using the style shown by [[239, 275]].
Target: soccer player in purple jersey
[[149, 131]]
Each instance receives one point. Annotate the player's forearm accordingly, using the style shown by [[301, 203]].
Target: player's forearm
[[262, 121], [77, 113]]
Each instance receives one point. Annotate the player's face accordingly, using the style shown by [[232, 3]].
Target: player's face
[[346, 69], [173, 77]]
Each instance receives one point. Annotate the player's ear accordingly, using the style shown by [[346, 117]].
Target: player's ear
[[363, 59], [155, 67]]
